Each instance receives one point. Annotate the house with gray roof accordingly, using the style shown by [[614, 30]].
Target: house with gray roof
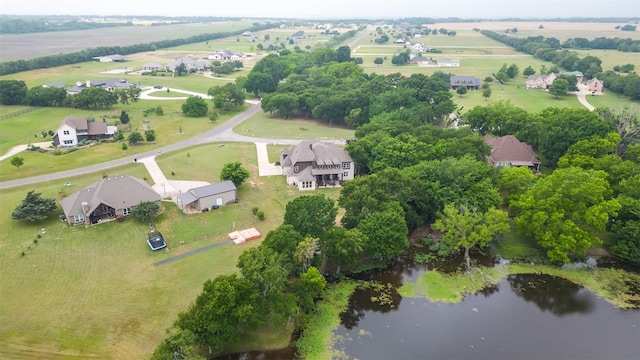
[[189, 63], [509, 151], [312, 164], [107, 84], [108, 199], [540, 81], [55, 84], [152, 66], [205, 197], [73, 131], [471, 82], [448, 63]]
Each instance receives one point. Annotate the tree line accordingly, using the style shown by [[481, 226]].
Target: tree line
[[11, 67], [624, 45], [15, 92], [549, 49]]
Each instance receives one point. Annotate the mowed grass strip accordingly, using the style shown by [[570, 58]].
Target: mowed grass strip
[[94, 291], [262, 125]]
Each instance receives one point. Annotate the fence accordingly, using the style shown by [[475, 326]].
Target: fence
[[19, 112]]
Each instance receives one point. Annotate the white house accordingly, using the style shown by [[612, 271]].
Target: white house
[[72, 131]]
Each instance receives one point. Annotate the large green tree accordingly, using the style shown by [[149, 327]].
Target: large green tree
[[343, 246], [564, 211], [311, 214], [227, 96], [34, 208], [309, 287], [560, 87], [284, 240], [235, 172], [146, 210], [387, 233], [464, 228], [195, 106], [228, 306], [12, 92]]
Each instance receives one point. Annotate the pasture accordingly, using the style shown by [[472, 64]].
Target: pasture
[[93, 291]]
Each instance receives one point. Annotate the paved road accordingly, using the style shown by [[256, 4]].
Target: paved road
[[221, 133]]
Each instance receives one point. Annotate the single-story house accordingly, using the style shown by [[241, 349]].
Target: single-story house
[[72, 131], [110, 58], [448, 63], [509, 151], [205, 197], [108, 199], [153, 66], [418, 60], [313, 163], [298, 35], [246, 33], [189, 63], [540, 81], [107, 84], [595, 85], [471, 82]]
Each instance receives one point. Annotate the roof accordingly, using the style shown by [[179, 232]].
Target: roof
[[448, 61], [511, 150], [54, 84], [206, 191], [465, 80], [91, 127], [152, 64], [316, 151], [118, 192], [594, 80]]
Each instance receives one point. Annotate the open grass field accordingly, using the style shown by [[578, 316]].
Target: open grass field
[[611, 58], [28, 46], [262, 125], [613, 101], [94, 292]]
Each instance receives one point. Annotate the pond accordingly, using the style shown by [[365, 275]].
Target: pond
[[524, 316]]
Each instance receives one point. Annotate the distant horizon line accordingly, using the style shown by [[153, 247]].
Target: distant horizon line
[[467, 19]]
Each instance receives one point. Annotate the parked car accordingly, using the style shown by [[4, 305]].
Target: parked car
[[156, 241], [158, 87]]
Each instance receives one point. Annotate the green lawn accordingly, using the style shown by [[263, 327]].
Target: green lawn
[[21, 130], [614, 101], [611, 58], [94, 291], [261, 125]]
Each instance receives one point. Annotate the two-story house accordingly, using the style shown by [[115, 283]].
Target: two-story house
[[72, 131], [311, 164]]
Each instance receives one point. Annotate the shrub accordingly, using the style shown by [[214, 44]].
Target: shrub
[[124, 146], [23, 254], [254, 210], [173, 173], [261, 215], [35, 241]]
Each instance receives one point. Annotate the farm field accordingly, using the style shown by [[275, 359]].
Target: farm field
[[28, 46], [86, 292], [611, 58]]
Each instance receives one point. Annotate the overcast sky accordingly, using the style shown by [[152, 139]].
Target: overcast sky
[[333, 9]]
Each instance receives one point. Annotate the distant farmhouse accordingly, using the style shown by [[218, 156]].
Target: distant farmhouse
[[110, 58], [108, 199], [225, 55], [298, 35], [73, 131], [190, 64], [311, 164], [540, 81], [448, 63], [471, 82], [108, 84], [594, 85], [509, 151]]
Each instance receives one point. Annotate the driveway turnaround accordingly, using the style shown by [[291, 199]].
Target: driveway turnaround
[[265, 168]]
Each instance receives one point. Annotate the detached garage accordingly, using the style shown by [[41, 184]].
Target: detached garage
[[204, 197]]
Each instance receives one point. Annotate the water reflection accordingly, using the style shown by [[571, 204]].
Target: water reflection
[[498, 323], [553, 294]]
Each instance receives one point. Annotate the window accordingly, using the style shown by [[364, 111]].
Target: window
[[68, 142], [306, 184], [79, 218], [295, 169], [126, 211], [66, 132], [345, 174], [346, 165]]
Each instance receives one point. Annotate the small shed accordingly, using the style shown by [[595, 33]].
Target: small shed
[[205, 197]]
